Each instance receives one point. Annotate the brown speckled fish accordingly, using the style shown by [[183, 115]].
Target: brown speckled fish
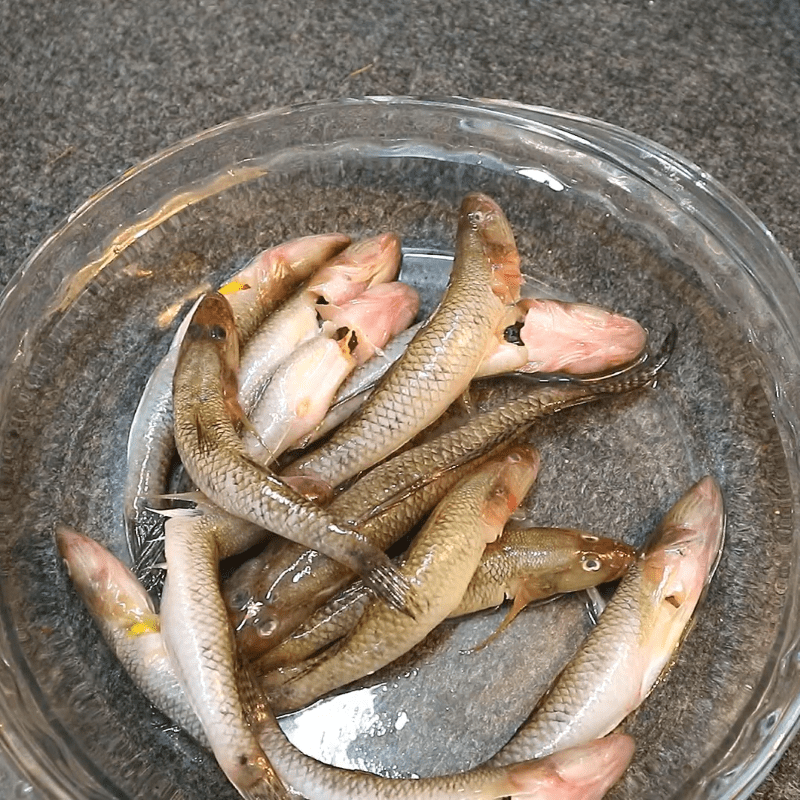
[[638, 633], [269, 596], [207, 415], [440, 563], [533, 564], [441, 359], [527, 565]]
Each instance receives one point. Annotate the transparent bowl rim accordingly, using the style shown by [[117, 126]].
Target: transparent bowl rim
[[671, 173]]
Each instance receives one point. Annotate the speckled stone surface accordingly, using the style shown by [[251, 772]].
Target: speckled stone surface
[[88, 89]]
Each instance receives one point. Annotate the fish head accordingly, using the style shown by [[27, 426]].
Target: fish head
[[212, 330], [590, 561], [361, 265], [676, 567], [111, 592], [577, 338], [483, 217], [515, 471], [376, 315], [213, 324]]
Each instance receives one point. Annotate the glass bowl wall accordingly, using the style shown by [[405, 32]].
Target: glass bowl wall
[[601, 215]]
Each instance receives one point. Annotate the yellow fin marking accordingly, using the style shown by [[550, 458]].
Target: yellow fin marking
[[234, 286], [143, 626]]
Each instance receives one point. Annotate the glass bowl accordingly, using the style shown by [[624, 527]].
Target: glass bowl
[[599, 214]]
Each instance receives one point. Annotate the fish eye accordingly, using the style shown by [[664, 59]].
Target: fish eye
[[217, 332], [591, 563], [266, 627], [240, 599], [512, 334]]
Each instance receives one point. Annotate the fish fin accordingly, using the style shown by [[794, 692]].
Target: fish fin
[[195, 496], [520, 601], [258, 715], [595, 603], [205, 443], [406, 491], [355, 393], [177, 511], [314, 489], [393, 587], [465, 402], [243, 421]]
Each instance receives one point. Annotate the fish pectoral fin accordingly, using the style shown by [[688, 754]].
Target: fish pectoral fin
[[258, 780], [520, 601], [243, 421], [465, 402], [205, 442], [311, 487]]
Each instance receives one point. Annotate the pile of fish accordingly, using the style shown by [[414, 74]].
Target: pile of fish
[[308, 415]]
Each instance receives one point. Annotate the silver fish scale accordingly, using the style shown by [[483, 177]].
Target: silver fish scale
[[568, 714], [442, 558], [202, 647], [434, 371]]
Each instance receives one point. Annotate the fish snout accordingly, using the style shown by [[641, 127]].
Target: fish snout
[[517, 470]]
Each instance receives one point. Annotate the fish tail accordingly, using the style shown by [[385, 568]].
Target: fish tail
[[269, 787], [392, 586], [666, 350]]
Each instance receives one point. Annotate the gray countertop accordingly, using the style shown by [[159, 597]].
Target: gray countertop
[[90, 88]]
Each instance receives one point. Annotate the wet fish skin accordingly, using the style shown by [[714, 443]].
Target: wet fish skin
[[257, 290], [253, 293], [441, 359], [206, 417], [267, 601], [200, 645], [533, 564], [440, 563], [124, 613], [297, 396], [123, 610], [272, 593], [330, 622], [592, 339], [584, 773], [637, 635], [354, 270], [355, 390], [151, 444], [302, 387], [524, 565]]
